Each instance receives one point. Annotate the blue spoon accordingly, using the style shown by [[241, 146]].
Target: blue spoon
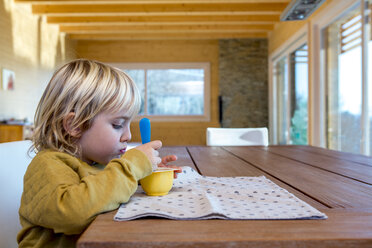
[[145, 129]]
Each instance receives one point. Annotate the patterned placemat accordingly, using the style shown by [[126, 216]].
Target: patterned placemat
[[198, 197]]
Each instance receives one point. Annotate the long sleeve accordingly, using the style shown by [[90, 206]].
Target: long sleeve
[[64, 194]]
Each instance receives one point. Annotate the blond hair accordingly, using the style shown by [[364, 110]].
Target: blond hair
[[85, 88]]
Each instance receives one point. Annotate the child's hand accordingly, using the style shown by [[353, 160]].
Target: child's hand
[[150, 149], [167, 159]]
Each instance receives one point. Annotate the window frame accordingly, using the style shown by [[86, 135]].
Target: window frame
[[174, 65], [291, 45], [313, 31], [318, 81]]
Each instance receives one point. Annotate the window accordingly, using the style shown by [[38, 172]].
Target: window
[[299, 96], [290, 80], [344, 82], [281, 82], [171, 92], [368, 87], [338, 99]]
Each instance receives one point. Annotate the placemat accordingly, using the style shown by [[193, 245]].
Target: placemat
[[199, 197]]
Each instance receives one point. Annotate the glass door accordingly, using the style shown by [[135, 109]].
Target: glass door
[[299, 96], [344, 82], [281, 82], [291, 96]]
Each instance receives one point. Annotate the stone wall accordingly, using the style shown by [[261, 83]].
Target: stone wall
[[243, 82]]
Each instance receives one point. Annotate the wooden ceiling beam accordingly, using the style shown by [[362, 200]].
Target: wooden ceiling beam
[[160, 19], [166, 36], [146, 1], [176, 32], [168, 26], [273, 8], [256, 19]]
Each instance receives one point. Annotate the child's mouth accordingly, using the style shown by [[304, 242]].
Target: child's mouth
[[122, 151]]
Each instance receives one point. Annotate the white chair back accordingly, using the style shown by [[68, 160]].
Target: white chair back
[[237, 136], [14, 160]]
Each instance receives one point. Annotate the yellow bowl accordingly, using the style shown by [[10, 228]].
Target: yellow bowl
[[160, 182]]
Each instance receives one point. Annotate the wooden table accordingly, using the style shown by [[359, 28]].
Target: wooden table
[[336, 183]]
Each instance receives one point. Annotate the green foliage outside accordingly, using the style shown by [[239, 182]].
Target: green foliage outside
[[171, 91], [299, 123]]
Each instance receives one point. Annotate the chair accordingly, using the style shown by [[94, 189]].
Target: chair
[[14, 160], [237, 136]]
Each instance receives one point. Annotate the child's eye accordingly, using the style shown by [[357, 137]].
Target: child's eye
[[115, 126]]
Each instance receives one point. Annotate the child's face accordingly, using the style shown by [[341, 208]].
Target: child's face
[[106, 139]]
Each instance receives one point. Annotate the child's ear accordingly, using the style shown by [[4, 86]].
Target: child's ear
[[67, 125]]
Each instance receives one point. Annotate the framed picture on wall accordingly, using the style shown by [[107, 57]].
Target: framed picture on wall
[[8, 79]]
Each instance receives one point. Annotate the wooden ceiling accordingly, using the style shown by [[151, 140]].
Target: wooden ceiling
[[160, 19]]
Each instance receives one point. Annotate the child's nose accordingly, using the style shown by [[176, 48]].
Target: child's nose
[[126, 136]]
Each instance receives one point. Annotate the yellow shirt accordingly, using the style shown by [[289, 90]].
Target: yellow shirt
[[62, 195]]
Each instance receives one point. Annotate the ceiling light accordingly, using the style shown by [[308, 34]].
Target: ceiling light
[[300, 9]]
